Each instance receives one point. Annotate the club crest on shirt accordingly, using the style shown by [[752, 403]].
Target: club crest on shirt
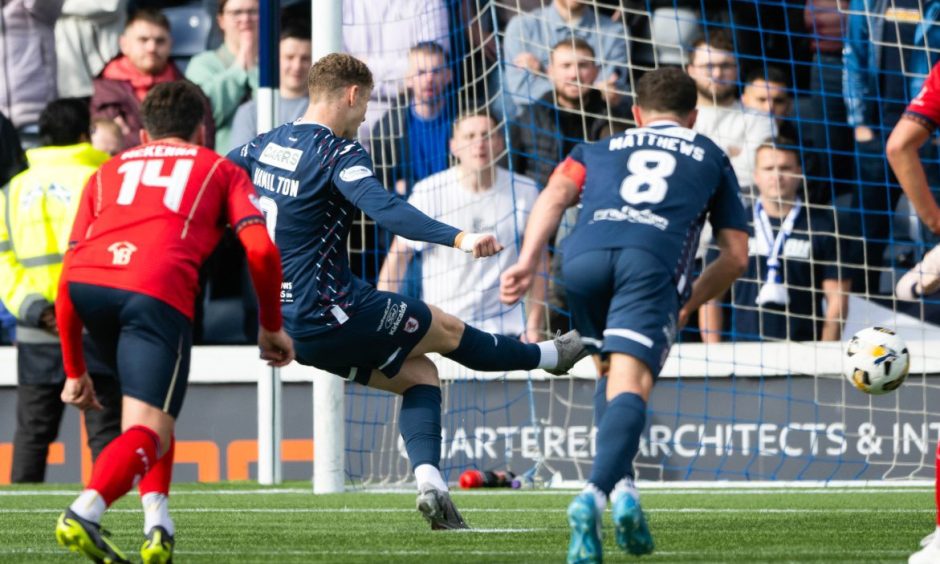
[[411, 325], [122, 252]]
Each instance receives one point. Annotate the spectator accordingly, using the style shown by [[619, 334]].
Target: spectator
[[144, 62], [886, 59], [295, 61], [40, 205], [28, 63], [475, 195], [411, 138], [106, 136], [86, 38], [530, 37], [829, 135], [768, 92], [793, 289], [381, 33], [229, 75], [721, 115], [572, 112], [12, 158]]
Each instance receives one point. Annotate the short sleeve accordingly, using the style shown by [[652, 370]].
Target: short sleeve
[[573, 167], [925, 107], [727, 211]]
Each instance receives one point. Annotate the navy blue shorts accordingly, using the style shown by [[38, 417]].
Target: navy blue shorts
[[379, 335], [146, 341], [624, 301]]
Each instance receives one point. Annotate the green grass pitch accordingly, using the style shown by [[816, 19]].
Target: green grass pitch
[[245, 523]]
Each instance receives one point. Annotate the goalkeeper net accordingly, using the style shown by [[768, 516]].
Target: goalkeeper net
[[767, 402]]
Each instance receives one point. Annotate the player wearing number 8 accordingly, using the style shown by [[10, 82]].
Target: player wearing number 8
[[645, 195], [146, 222]]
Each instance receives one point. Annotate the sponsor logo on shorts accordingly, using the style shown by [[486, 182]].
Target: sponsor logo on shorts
[[411, 325], [392, 317], [280, 157], [122, 252], [287, 292]]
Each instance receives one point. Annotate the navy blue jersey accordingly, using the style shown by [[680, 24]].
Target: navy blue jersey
[[651, 188], [310, 183]]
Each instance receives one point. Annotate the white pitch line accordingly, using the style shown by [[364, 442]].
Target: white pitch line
[[784, 510], [724, 553], [484, 493]]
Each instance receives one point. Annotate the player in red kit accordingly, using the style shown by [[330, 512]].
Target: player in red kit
[[915, 127], [147, 221]]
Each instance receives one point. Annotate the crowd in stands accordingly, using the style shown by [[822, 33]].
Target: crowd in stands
[[801, 95]]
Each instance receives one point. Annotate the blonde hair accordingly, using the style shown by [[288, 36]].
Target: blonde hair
[[336, 71]]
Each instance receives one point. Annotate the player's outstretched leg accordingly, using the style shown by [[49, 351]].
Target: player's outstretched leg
[[159, 529], [87, 538], [584, 519], [484, 351]]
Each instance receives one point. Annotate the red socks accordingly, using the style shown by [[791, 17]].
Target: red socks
[[159, 477], [128, 458]]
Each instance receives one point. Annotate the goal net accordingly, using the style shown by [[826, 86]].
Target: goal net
[[768, 400]]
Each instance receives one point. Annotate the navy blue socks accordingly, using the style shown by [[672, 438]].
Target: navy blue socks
[[600, 400], [494, 353], [420, 424], [618, 439]]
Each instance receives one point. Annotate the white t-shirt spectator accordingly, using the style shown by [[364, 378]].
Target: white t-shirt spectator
[[737, 130], [454, 281]]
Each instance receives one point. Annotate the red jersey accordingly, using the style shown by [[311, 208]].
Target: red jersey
[[151, 215], [925, 107]]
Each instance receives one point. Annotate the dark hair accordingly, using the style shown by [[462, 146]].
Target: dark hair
[[467, 114], [719, 39], [149, 15], [429, 48], [64, 122], [575, 43], [781, 143], [771, 74], [667, 89], [295, 30], [173, 109], [335, 71]]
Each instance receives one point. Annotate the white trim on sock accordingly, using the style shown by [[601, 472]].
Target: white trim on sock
[[89, 506], [157, 512], [428, 474], [624, 487], [549, 357], [600, 500]]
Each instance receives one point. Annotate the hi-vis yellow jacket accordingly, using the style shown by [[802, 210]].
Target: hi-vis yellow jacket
[[38, 207]]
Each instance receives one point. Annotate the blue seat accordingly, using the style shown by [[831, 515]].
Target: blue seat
[[190, 27]]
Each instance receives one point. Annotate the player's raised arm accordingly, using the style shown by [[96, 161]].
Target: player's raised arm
[[562, 192], [356, 180]]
